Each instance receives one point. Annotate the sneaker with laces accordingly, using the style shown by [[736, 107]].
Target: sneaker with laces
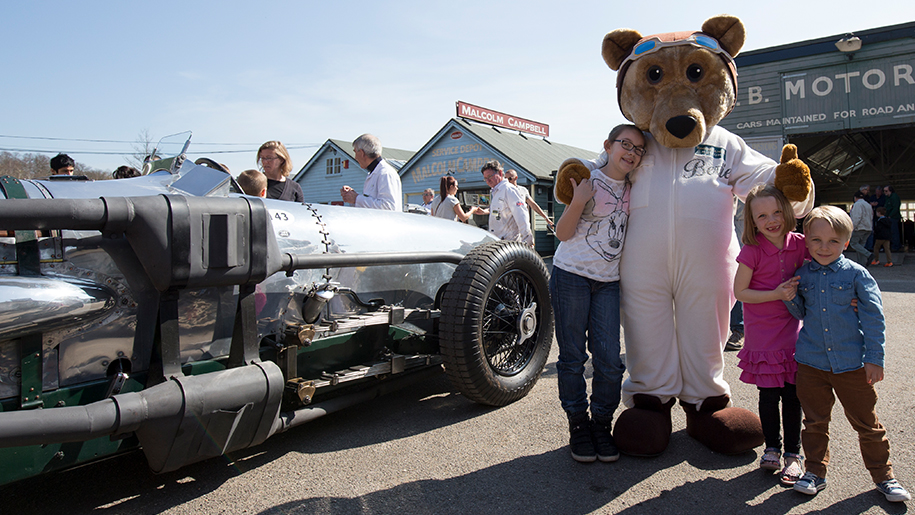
[[604, 444], [734, 341], [888, 264], [580, 442], [875, 262], [810, 484], [893, 491]]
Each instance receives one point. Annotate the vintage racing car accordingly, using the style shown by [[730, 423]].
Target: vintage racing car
[[170, 312]]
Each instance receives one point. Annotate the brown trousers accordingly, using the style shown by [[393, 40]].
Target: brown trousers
[[885, 244], [815, 390]]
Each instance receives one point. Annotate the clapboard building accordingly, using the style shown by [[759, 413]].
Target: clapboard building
[[334, 165]]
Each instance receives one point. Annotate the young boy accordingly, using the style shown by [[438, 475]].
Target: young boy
[[839, 350], [882, 231], [253, 183]]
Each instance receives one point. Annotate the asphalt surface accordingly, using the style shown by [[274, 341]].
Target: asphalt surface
[[426, 449]]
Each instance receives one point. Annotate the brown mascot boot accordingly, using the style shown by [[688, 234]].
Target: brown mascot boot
[[723, 429], [644, 429]]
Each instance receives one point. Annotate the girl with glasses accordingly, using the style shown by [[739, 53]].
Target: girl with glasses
[[585, 294]]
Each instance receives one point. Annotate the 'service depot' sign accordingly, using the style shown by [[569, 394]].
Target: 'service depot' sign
[[481, 114]]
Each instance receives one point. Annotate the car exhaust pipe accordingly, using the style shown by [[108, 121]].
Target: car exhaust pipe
[[178, 422]]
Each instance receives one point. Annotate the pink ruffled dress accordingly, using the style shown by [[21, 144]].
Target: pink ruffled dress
[[770, 332]]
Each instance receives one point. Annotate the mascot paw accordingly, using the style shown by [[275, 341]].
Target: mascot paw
[[644, 430], [570, 169], [792, 176], [723, 429]]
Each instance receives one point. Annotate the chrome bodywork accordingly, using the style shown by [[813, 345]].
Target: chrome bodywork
[[170, 312], [88, 310]]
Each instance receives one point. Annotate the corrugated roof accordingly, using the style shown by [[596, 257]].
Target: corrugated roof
[[536, 155], [822, 45]]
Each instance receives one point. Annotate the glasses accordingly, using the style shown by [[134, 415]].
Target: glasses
[[629, 147], [654, 44], [489, 176], [269, 158]]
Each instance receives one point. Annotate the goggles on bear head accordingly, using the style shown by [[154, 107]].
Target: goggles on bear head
[[651, 44]]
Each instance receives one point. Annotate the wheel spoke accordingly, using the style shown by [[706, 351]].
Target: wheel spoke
[[505, 350]]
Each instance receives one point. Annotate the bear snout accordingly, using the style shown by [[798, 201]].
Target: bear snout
[[681, 126]]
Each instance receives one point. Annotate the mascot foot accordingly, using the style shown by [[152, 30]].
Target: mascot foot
[[644, 429], [723, 429]]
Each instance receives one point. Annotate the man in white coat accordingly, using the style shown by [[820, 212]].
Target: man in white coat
[[382, 188], [508, 215]]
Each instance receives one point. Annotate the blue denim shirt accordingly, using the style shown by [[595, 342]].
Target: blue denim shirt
[[835, 338]]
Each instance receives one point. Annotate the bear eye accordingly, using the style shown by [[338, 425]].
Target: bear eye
[[694, 72], [654, 74]]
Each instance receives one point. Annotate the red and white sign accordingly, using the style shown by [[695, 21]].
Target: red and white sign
[[481, 114]]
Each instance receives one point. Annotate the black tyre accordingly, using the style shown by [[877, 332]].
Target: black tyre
[[496, 326]]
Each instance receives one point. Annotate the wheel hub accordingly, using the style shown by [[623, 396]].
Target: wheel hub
[[527, 323]]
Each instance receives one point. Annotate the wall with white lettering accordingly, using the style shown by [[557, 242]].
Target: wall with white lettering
[[455, 151], [827, 92]]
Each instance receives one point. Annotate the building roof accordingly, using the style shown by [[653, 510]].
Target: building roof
[[822, 45], [538, 156]]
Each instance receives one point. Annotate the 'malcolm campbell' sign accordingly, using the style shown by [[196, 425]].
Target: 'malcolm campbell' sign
[[481, 114]]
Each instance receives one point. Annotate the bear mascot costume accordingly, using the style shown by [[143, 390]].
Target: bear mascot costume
[[679, 258]]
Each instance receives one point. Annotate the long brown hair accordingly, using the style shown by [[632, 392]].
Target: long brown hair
[[444, 185]]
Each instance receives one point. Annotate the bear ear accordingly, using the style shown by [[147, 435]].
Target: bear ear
[[617, 45], [728, 30]]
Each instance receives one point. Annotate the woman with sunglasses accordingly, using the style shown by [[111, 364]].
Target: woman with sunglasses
[[585, 294], [446, 205]]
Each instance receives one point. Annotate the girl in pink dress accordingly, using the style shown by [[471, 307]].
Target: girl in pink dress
[[765, 275]]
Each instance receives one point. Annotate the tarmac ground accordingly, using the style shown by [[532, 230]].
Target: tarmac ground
[[426, 449]]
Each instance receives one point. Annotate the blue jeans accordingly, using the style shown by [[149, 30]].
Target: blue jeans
[[737, 317], [587, 315]]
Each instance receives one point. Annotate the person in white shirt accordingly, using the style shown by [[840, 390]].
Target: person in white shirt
[[512, 177], [508, 215], [382, 188], [862, 216]]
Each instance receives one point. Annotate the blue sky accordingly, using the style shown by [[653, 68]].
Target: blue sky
[[302, 72]]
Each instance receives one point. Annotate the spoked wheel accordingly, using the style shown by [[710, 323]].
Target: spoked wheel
[[497, 324]]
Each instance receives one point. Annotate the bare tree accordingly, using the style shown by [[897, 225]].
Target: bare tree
[[32, 166], [143, 146]]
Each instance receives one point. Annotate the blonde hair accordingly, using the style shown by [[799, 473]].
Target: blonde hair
[[280, 151], [837, 218], [252, 182], [763, 191]]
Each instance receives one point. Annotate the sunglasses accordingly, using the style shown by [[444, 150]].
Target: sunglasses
[[654, 44]]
